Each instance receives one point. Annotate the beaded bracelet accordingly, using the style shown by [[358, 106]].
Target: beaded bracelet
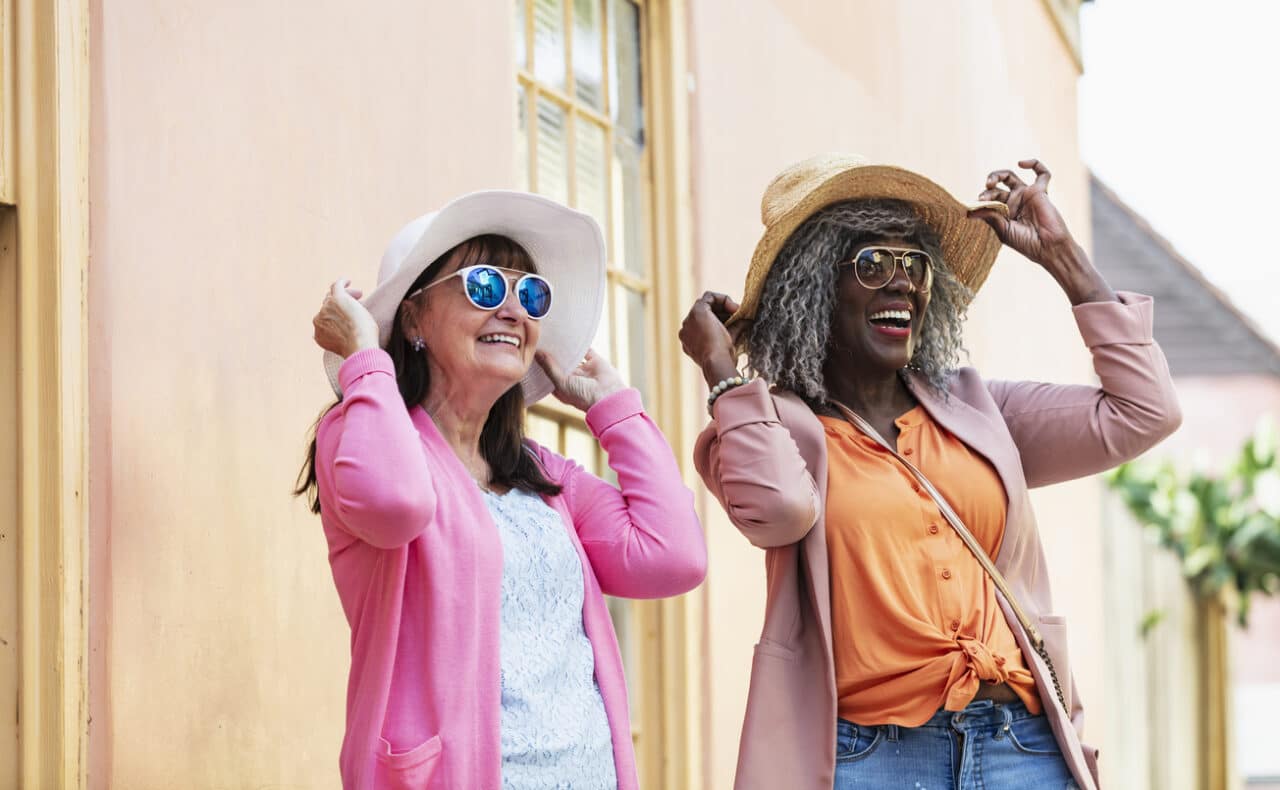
[[724, 386]]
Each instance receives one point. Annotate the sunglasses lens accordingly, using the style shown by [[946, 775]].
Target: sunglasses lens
[[486, 287], [918, 268], [874, 267], [535, 295]]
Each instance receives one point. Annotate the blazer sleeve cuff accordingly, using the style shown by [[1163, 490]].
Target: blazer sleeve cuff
[[1128, 321], [367, 360], [613, 409], [744, 405]]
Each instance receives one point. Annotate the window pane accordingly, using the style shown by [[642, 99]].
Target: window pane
[[518, 36], [630, 326], [624, 74], [522, 139], [629, 232], [548, 42], [593, 177], [603, 342], [581, 446], [638, 339], [553, 150], [588, 65], [543, 431], [620, 609], [627, 97]]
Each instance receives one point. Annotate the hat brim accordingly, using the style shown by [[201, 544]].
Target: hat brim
[[566, 246], [969, 245]]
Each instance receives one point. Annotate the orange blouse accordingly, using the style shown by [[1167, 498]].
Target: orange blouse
[[914, 617]]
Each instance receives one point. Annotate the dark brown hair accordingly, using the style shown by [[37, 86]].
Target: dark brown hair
[[511, 462]]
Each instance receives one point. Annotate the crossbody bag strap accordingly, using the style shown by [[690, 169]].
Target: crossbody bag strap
[[979, 553]]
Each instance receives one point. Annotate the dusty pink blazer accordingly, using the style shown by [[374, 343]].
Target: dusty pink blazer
[[418, 566], [764, 457]]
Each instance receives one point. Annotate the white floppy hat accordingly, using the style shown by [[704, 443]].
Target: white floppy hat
[[566, 246]]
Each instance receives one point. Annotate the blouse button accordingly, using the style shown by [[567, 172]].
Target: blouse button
[[946, 573], [955, 625], [933, 529], [907, 451]]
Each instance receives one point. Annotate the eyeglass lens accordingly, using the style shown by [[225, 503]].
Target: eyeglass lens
[[875, 267]]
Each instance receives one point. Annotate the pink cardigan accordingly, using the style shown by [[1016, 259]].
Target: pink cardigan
[[418, 566]]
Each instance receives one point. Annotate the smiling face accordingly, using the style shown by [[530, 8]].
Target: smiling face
[[470, 349], [877, 331]]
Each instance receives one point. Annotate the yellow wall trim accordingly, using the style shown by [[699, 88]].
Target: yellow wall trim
[[51, 78], [1066, 19], [6, 102], [680, 620]]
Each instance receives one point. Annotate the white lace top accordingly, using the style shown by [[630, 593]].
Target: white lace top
[[554, 730]]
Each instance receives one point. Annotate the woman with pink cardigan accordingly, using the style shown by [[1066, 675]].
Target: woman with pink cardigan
[[472, 563]]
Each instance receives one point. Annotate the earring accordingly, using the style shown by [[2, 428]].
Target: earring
[[418, 343]]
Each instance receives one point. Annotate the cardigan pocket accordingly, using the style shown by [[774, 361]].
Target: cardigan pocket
[[408, 770], [1053, 629]]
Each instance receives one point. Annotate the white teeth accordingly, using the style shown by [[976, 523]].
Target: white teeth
[[509, 339], [901, 315]]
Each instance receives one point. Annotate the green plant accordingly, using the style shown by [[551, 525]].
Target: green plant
[[1224, 528]]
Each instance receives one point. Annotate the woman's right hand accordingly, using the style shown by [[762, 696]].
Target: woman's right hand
[[343, 325], [707, 341]]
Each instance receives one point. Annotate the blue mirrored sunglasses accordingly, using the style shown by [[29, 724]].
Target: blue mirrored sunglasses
[[486, 288]]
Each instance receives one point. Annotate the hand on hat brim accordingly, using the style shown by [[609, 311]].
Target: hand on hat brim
[[994, 213], [586, 385], [343, 325]]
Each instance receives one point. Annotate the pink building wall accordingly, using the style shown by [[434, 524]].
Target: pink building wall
[[243, 156]]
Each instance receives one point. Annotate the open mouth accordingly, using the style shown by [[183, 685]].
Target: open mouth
[[893, 320], [509, 340]]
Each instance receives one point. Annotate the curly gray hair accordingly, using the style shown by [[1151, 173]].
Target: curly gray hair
[[788, 341]]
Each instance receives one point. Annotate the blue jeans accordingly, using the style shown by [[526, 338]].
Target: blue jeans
[[984, 747]]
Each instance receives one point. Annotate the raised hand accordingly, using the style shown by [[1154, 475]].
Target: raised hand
[[583, 387], [707, 341], [1035, 228], [343, 325]]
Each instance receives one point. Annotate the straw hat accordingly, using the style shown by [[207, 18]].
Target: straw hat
[[566, 246], [969, 246]]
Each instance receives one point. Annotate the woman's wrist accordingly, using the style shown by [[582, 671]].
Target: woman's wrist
[[361, 344], [718, 369], [1078, 277], [604, 393]]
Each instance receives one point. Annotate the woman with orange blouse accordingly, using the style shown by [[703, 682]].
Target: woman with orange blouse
[[888, 656]]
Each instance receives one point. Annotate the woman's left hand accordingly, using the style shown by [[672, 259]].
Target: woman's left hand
[[1035, 228], [593, 380]]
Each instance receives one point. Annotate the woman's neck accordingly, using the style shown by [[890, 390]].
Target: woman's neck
[[874, 396], [460, 421]]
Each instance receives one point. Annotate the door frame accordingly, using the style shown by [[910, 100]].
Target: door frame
[[45, 175]]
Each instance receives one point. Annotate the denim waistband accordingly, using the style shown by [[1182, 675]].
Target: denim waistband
[[977, 715]]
